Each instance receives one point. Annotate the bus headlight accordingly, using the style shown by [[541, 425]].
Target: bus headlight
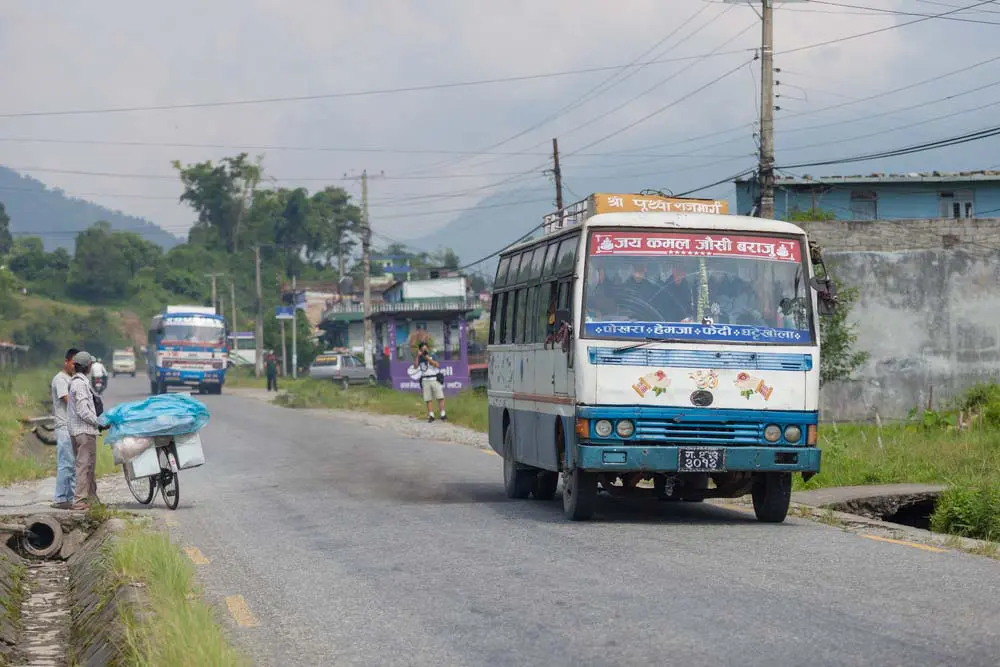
[[625, 428], [772, 433], [602, 428], [793, 434]]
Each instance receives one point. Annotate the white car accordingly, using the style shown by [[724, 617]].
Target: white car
[[123, 363], [344, 369]]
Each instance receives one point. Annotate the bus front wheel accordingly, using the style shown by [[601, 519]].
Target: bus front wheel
[[772, 494], [518, 482], [579, 494]]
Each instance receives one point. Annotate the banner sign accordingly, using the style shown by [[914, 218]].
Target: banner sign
[[695, 245]]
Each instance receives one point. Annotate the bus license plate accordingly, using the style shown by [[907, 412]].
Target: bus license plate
[[691, 459]]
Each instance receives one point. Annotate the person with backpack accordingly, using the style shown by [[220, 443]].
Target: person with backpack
[[83, 425], [431, 378]]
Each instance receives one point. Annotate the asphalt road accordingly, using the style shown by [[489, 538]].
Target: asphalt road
[[354, 547]]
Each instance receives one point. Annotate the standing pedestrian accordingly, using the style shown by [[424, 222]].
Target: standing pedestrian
[[271, 369], [430, 381], [65, 461], [83, 430]]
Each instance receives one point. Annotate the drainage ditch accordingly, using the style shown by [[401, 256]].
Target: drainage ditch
[[59, 612], [913, 509]]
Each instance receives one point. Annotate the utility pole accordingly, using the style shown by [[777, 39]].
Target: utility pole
[[557, 173], [295, 322], [259, 336], [366, 242], [215, 298], [232, 304], [766, 166], [284, 363]]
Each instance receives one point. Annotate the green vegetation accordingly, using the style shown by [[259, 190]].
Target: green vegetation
[[837, 333], [176, 627], [466, 409], [22, 395], [300, 234], [958, 447]]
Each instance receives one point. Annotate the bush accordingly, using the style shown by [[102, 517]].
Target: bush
[[969, 512]]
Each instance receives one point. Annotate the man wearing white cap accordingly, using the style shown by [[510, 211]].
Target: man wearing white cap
[[83, 429]]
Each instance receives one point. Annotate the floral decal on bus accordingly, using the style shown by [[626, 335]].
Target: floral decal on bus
[[657, 382], [750, 385]]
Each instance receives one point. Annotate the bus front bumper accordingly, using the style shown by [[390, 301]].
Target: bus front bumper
[[665, 458], [191, 378]]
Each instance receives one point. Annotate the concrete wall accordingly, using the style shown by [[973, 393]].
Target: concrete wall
[[928, 313]]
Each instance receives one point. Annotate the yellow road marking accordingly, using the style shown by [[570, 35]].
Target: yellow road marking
[[241, 612], [904, 543], [196, 556], [490, 452]]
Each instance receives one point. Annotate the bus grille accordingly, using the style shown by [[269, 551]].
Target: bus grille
[[668, 431]]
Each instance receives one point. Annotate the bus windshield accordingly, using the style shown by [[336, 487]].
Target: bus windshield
[[194, 330], [697, 287]]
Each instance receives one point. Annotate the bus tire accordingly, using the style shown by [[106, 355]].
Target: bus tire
[[579, 494], [546, 483], [161, 388], [518, 483], [772, 494]]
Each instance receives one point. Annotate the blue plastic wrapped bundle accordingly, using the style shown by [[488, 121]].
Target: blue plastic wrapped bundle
[[166, 414]]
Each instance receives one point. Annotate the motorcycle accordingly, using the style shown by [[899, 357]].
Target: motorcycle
[[100, 384]]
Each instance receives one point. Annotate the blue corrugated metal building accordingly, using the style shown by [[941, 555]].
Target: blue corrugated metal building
[[911, 196]]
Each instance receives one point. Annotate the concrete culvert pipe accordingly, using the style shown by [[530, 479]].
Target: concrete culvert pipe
[[43, 537]]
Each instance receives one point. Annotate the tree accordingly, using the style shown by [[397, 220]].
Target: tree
[[100, 271], [336, 221], [6, 239], [221, 194], [27, 258], [838, 358]]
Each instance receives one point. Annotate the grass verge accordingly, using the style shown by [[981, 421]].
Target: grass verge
[[467, 409], [176, 627], [21, 396]]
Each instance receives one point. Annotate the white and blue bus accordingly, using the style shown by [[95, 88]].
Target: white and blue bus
[[656, 346], [186, 347]]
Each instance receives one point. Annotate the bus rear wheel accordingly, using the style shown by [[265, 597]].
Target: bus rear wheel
[[518, 482], [579, 494]]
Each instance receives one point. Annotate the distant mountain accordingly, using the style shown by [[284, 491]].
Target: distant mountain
[[494, 223], [56, 217]]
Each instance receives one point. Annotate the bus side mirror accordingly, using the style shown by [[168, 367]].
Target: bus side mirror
[[827, 293]]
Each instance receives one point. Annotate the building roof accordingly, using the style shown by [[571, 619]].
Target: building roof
[[986, 175]]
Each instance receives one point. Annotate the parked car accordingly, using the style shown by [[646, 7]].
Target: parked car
[[344, 369]]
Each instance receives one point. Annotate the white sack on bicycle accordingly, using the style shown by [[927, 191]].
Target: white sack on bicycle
[[130, 447]]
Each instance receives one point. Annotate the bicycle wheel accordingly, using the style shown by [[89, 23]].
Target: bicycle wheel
[[170, 488], [142, 489]]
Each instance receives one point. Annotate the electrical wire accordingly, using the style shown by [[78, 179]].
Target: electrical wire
[[848, 38], [592, 93], [897, 12], [328, 96]]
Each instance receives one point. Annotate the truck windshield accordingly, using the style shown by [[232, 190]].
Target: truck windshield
[[695, 287]]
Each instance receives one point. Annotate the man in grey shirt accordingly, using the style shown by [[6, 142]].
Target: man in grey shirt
[[65, 461], [83, 430]]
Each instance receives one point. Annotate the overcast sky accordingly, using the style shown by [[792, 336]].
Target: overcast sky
[[100, 54]]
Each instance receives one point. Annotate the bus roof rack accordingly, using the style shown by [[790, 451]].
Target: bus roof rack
[[599, 202]]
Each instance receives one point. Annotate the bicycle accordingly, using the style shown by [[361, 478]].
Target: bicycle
[[144, 488]]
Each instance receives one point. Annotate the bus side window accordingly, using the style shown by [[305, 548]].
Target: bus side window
[[495, 308], [546, 313], [566, 296], [531, 316], [507, 324], [521, 310]]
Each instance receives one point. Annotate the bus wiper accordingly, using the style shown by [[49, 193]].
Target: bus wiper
[[634, 346]]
